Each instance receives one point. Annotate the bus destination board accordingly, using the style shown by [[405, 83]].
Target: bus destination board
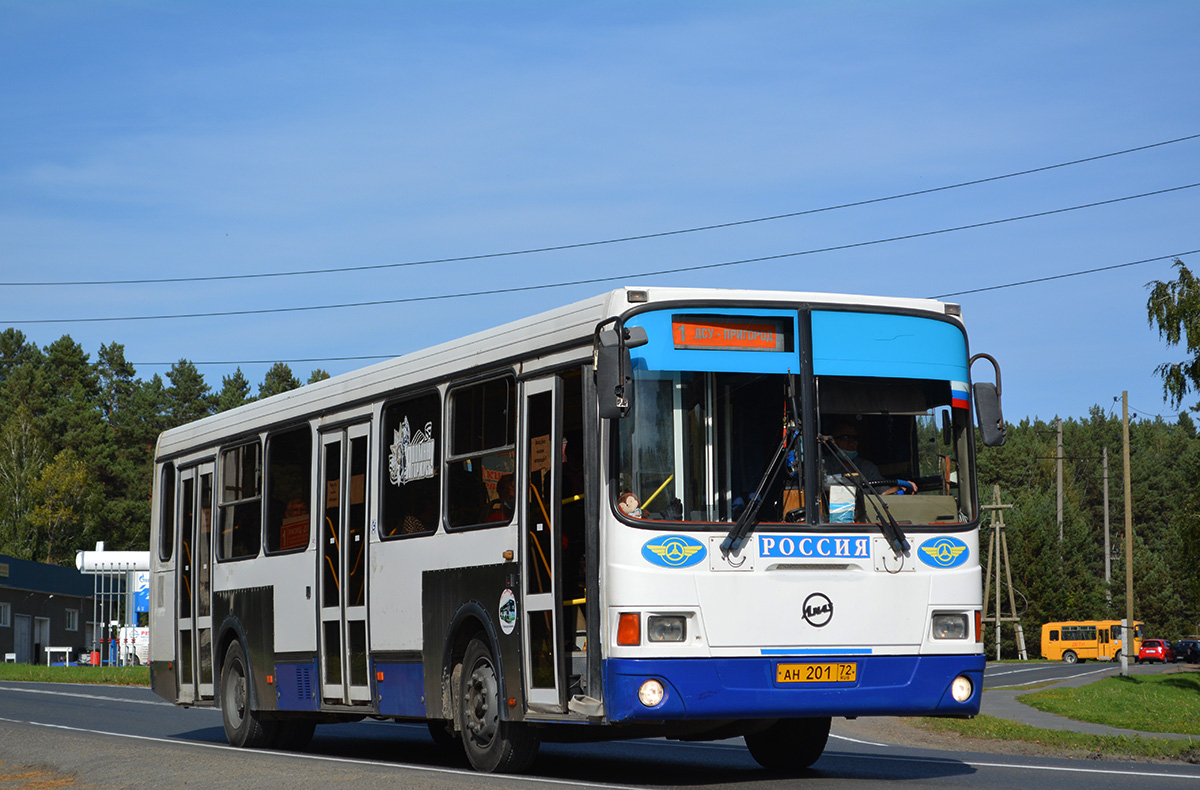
[[721, 333]]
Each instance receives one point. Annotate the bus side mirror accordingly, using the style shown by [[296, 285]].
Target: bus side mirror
[[987, 407], [614, 369], [987, 411]]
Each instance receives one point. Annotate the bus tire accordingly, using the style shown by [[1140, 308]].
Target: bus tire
[[789, 745], [1070, 657], [243, 726], [492, 745]]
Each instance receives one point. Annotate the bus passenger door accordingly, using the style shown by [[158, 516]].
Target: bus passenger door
[[541, 543], [343, 575], [193, 599]]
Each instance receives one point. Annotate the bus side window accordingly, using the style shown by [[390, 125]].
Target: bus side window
[[241, 502], [409, 467], [482, 449], [289, 490], [1054, 636], [166, 528]]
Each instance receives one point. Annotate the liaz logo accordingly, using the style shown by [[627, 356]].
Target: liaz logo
[[674, 551], [944, 553]]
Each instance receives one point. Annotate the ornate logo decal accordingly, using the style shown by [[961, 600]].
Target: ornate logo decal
[[411, 456], [818, 610], [944, 553], [674, 551]]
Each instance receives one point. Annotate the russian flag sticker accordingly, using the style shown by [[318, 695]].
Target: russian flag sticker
[[960, 395]]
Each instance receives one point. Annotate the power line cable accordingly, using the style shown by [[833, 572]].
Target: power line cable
[[591, 280], [620, 240], [1064, 276]]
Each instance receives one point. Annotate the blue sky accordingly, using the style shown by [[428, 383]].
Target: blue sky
[[156, 139]]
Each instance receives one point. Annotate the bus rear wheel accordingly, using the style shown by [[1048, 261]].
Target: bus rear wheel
[[789, 744], [243, 726], [492, 745], [1070, 657]]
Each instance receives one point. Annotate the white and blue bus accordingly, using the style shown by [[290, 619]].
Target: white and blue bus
[[688, 513]]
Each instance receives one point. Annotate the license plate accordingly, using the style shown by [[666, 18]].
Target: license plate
[[817, 673]]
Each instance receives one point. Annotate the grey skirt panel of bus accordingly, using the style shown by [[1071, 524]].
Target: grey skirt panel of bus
[[248, 615], [461, 602]]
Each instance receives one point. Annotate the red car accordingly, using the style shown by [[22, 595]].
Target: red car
[[1155, 650]]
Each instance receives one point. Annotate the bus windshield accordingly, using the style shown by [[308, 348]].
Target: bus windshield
[[712, 428]]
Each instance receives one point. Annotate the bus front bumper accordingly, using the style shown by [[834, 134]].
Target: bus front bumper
[[750, 688]]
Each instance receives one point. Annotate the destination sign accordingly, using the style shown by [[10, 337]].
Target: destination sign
[[726, 334]]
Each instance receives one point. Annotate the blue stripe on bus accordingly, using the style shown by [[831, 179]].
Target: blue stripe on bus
[[816, 651], [887, 346], [746, 688]]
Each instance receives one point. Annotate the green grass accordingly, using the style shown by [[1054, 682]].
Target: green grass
[[108, 676], [1094, 746], [1150, 703]]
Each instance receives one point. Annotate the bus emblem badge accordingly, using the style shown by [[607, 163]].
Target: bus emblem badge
[[944, 553], [674, 551], [818, 610]]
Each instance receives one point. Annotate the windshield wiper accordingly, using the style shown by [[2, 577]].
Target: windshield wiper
[[749, 518], [887, 524]]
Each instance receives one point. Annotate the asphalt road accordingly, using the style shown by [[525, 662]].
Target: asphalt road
[[105, 737]]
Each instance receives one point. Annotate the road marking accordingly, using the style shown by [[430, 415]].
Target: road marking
[[85, 696], [856, 740], [577, 783], [327, 759], [1057, 680]]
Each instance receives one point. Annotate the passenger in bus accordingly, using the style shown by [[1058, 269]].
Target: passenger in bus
[[504, 504]]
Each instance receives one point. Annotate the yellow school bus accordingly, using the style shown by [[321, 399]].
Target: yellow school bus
[[1079, 640]]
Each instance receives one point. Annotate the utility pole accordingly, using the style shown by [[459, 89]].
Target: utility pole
[[1126, 642], [1059, 501], [1107, 545], [999, 552]]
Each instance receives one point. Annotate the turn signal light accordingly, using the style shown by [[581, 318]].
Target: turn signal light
[[629, 629]]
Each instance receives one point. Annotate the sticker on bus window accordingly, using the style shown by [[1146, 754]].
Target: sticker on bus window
[[411, 455]]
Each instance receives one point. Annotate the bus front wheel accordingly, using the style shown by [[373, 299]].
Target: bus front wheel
[[1069, 657], [492, 744], [789, 744], [243, 726]]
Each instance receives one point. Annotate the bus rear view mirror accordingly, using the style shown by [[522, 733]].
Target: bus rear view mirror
[[614, 369], [987, 407]]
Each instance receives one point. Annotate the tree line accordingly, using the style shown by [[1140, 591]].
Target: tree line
[[1065, 579], [77, 441]]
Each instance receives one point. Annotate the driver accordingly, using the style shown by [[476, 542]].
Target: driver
[[845, 436]]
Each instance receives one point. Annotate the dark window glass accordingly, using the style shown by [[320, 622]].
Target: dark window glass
[[410, 467], [482, 434], [241, 502], [289, 490], [166, 522]]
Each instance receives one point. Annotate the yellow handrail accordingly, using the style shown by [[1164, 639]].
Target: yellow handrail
[[646, 504]]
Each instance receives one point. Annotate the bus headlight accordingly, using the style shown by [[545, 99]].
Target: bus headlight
[[949, 626], [962, 688], [651, 693], [666, 628]]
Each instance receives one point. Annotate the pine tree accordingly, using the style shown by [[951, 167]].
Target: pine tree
[[189, 398], [279, 379], [235, 391]]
